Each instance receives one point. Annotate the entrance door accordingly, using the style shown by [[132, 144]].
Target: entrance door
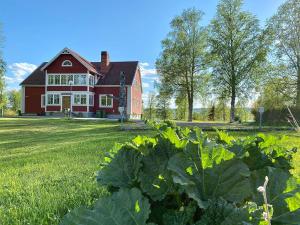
[[66, 102]]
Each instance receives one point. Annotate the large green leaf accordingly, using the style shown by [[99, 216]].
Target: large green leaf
[[124, 207], [208, 171], [122, 170], [283, 194], [219, 212], [154, 177], [180, 217]]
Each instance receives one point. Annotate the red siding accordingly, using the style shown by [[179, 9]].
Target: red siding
[[55, 66], [53, 108], [136, 94], [107, 90], [79, 109], [33, 99], [66, 88]]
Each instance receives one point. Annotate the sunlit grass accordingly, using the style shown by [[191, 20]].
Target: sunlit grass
[[48, 166]]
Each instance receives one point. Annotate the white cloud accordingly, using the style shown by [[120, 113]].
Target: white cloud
[[146, 85], [19, 71], [145, 71]]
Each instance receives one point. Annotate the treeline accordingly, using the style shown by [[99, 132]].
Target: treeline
[[230, 61]]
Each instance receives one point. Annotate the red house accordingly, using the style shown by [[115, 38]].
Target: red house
[[69, 81]]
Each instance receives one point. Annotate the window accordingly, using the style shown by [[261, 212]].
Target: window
[[50, 79], [106, 101], [66, 63], [43, 101], [70, 78], [82, 79], [64, 79], [76, 79], [80, 99], [91, 100], [53, 99], [57, 79], [91, 80]]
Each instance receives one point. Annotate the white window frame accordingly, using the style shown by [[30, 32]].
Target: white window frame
[[93, 100], [106, 106], [52, 103], [43, 100], [80, 97], [66, 61]]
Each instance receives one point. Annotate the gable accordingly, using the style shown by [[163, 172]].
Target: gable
[[56, 65]]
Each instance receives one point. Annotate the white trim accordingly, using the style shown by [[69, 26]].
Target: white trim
[[23, 100], [106, 106], [66, 61], [43, 106]]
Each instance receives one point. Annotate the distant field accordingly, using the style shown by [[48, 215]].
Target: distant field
[[48, 165]]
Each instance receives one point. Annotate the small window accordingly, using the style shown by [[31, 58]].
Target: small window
[[82, 79], [76, 79], [57, 80], [91, 100], [64, 79], [91, 80], [50, 79], [43, 101], [53, 99], [80, 99], [67, 63], [106, 101]]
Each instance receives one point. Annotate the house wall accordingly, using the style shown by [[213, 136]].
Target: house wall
[[55, 66], [32, 99], [136, 95], [114, 90]]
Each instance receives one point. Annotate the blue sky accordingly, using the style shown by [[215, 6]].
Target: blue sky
[[35, 31]]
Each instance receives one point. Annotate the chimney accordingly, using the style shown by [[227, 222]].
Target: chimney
[[104, 61]]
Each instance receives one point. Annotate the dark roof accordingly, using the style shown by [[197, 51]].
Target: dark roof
[[37, 77], [112, 77]]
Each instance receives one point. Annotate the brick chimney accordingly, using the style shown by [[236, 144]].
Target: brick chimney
[[104, 61]]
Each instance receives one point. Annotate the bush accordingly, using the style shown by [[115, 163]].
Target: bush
[[276, 116], [181, 177]]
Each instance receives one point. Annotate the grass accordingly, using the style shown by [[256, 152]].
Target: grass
[[48, 165]]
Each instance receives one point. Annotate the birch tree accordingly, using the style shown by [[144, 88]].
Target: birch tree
[[237, 47], [182, 61]]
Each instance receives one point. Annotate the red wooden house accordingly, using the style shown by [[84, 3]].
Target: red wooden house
[[69, 81]]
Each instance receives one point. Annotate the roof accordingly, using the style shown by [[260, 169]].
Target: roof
[[112, 77], [37, 77]]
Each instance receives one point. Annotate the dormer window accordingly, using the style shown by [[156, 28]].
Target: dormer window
[[66, 63]]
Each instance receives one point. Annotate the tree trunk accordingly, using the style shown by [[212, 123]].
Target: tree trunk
[[232, 105], [298, 89], [190, 103]]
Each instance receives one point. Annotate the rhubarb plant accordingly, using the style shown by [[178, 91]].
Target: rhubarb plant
[[182, 177]]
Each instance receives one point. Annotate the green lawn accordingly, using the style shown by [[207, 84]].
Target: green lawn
[[48, 166]]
